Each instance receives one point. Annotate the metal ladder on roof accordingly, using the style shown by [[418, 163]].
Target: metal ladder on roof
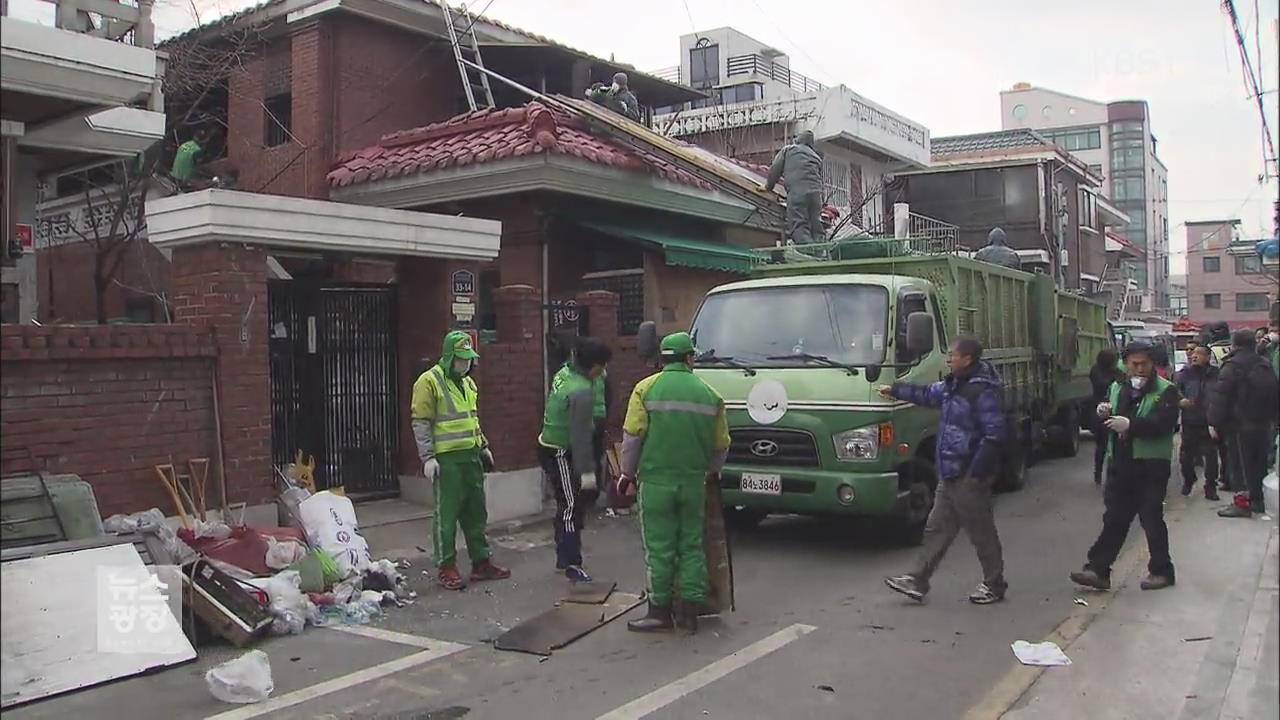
[[462, 36]]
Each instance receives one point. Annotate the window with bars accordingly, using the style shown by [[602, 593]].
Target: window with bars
[[835, 183], [278, 119], [628, 285]]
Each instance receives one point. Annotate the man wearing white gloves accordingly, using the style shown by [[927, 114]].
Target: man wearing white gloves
[[567, 449], [455, 456], [1140, 416]]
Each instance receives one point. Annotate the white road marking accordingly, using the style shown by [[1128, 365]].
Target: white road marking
[[439, 649], [388, 635], [664, 696]]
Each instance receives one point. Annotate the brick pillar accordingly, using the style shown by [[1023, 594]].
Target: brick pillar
[[519, 311], [224, 288], [311, 49], [602, 314]]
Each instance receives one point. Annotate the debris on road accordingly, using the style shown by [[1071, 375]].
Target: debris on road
[[1042, 654], [1201, 638], [246, 679], [1082, 602], [825, 688]]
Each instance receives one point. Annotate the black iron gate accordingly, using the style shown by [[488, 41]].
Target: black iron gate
[[334, 383], [566, 320]]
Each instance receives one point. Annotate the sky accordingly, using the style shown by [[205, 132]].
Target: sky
[[943, 64]]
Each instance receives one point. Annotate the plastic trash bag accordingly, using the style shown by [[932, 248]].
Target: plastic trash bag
[[213, 529], [144, 521], [330, 523], [287, 603], [283, 553], [246, 679]]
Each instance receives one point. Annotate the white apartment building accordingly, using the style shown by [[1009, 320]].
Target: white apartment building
[[1116, 140], [757, 104]]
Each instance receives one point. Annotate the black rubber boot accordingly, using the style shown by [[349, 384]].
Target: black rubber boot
[[686, 617], [658, 619]]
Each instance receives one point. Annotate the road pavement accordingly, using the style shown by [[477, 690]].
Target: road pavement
[[816, 633]]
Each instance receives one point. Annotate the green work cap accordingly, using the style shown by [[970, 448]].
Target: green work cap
[[458, 345], [677, 344]]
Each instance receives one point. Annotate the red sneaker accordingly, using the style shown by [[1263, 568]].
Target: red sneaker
[[450, 579], [486, 570]]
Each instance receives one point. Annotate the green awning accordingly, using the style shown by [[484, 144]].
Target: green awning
[[682, 251]]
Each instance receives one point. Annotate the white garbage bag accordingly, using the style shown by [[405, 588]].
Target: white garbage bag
[[329, 521], [283, 553], [246, 679]]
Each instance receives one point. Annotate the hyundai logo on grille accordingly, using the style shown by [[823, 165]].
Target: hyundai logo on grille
[[764, 448]]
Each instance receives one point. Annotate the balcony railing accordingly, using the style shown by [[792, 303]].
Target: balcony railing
[[670, 74], [761, 66], [127, 22]]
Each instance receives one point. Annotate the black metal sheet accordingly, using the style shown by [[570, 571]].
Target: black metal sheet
[[592, 593]]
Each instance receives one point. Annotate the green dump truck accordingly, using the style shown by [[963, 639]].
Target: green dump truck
[[798, 350]]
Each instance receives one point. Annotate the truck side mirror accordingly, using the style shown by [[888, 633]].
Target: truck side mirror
[[647, 341], [920, 334]]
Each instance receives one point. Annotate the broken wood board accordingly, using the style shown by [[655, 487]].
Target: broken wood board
[[593, 593], [559, 626], [51, 610], [715, 541]]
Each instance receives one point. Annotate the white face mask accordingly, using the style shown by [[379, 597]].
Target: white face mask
[[462, 367], [615, 87], [1273, 337], [1137, 382]]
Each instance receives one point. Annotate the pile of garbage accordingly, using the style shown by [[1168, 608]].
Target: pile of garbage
[[317, 572]]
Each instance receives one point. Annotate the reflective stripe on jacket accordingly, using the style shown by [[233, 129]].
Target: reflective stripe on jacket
[[683, 423], [451, 408]]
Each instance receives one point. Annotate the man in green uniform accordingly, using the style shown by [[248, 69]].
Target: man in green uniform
[[185, 159], [1140, 415], [567, 449], [599, 409], [455, 456], [675, 434]]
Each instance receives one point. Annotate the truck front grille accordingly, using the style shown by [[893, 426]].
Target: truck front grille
[[767, 447]]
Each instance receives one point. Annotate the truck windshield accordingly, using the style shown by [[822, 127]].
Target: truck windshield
[[845, 323]]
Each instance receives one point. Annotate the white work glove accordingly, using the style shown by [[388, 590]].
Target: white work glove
[[431, 469], [1104, 410], [1118, 424], [486, 457], [1213, 433], [589, 481]]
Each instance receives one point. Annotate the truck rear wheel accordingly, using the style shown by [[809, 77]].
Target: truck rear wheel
[[743, 518], [1013, 471], [1064, 436]]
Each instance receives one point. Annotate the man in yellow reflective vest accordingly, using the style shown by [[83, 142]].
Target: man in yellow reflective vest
[[455, 456], [1140, 414], [675, 434]]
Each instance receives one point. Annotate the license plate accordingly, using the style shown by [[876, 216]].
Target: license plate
[[762, 484]]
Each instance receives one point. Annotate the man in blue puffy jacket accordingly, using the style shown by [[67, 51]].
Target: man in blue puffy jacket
[[970, 434]]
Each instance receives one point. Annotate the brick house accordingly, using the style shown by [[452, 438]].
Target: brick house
[[325, 311]]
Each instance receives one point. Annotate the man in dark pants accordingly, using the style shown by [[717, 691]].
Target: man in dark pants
[[1241, 411], [1104, 373], [1194, 383], [970, 433], [1141, 415]]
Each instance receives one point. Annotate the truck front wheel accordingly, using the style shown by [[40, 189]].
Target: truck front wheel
[[1064, 436], [920, 479]]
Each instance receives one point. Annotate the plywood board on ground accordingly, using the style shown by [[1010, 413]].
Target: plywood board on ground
[[49, 627]]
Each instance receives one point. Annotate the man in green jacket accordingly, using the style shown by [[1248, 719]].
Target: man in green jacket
[[567, 449], [599, 411], [1140, 416], [455, 456], [675, 434]]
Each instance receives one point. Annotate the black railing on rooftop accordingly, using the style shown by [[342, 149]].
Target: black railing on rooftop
[[764, 67]]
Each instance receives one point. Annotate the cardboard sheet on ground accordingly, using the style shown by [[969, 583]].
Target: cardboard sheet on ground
[[592, 593], [560, 626], [51, 609]]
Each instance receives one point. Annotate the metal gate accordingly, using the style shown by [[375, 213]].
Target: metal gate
[[566, 320], [334, 383]]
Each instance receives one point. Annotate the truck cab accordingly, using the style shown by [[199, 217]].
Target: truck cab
[[798, 362]]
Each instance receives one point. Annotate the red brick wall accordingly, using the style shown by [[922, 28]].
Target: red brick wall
[[108, 404], [224, 288], [65, 281]]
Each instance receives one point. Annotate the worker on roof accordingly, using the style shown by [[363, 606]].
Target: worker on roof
[[617, 97], [676, 435], [455, 456], [997, 252], [799, 166], [568, 449], [185, 170]]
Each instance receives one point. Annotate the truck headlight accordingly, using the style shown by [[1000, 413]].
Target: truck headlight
[[858, 444]]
